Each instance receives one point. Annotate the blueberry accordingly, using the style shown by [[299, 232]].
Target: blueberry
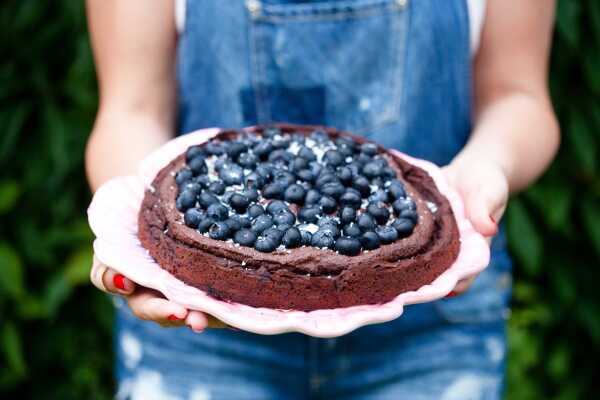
[[273, 233], [362, 159], [305, 175], [233, 224], [271, 131], [273, 191], [348, 246], [366, 222], [239, 203], [205, 224], [322, 239], [261, 223], [292, 238], [219, 231], [352, 230], [362, 184], [284, 217], [347, 215], [307, 154], [369, 149], [264, 171], [379, 196], [265, 244], [276, 206], [206, 199], [351, 198], [319, 136], [332, 229], [226, 197], [326, 177], [192, 217], [231, 174], [345, 175], [379, 212], [243, 222], [203, 180], [216, 211], [183, 176], [371, 170], [294, 194], [255, 210], [327, 220], [234, 149], [251, 194], [309, 213], [404, 226], [345, 151], [377, 182], [247, 160], [280, 155], [388, 173], [328, 204], [192, 152], [214, 148], [217, 187], [403, 204], [306, 237], [263, 149], [198, 166], [409, 214], [185, 200], [333, 189], [298, 164], [254, 180], [281, 142], [396, 189], [369, 240], [316, 168], [312, 197], [284, 178], [333, 158], [245, 237], [387, 234], [193, 187]]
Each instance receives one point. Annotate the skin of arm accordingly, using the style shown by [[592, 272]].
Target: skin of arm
[[515, 134]]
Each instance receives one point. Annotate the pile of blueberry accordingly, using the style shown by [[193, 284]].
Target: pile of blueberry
[[281, 189]]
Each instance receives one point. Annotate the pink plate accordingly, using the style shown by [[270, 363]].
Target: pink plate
[[113, 219]]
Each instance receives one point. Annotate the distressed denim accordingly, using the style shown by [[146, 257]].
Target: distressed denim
[[396, 71]]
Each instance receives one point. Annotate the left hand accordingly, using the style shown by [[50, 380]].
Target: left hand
[[483, 187]]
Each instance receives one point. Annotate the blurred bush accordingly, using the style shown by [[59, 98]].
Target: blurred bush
[[55, 330]]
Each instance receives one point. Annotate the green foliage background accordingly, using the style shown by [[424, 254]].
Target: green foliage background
[[55, 329]]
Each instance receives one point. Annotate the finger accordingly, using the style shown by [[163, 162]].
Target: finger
[[197, 321], [462, 286], [116, 282], [485, 207], [149, 305]]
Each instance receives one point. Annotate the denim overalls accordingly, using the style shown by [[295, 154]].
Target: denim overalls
[[396, 71]]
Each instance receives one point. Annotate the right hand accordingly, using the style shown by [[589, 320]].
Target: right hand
[[148, 304]]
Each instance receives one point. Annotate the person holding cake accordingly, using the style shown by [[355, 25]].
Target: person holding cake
[[460, 83]]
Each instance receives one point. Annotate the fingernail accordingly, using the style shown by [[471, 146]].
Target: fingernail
[[493, 220], [196, 330], [173, 317], [119, 281], [452, 294]]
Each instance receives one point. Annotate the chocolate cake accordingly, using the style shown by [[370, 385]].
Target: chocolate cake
[[297, 218]]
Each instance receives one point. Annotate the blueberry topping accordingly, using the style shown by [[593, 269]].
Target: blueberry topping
[[322, 239], [233, 224], [309, 214], [244, 222], [307, 154], [239, 203], [347, 215], [348, 246], [371, 170], [255, 210], [214, 148], [255, 181], [379, 212], [361, 184], [185, 200], [247, 160], [306, 175], [271, 131], [365, 222], [261, 223], [192, 153], [409, 214], [273, 191], [263, 149], [276, 206], [333, 158], [284, 217], [345, 175], [234, 149], [403, 204], [273, 233], [404, 227], [281, 156], [219, 231], [379, 195], [205, 224], [332, 229], [328, 204], [352, 230], [251, 194], [245, 237], [217, 211], [265, 244], [369, 240], [306, 237], [292, 238], [294, 194], [183, 176], [396, 189], [198, 166], [231, 174], [369, 149], [203, 180], [351, 198], [312, 197], [386, 234], [217, 187], [298, 164], [192, 217], [192, 187], [333, 189]]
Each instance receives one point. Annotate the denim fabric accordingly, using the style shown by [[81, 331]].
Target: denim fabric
[[397, 71]]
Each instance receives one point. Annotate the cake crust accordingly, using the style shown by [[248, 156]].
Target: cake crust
[[304, 278]]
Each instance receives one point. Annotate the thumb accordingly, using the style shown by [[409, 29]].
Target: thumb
[[486, 206]]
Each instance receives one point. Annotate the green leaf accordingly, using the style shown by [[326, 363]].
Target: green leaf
[[9, 193], [11, 271], [524, 239], [591, 220], [568, 21], [77, 270], [12, 121], [582, 140], [555, 201], [12, 348]]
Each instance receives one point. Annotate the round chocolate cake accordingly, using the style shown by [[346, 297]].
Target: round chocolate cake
[[297, 218]]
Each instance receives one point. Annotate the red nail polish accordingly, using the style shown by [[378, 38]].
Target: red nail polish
[[493, 220], [119, 281], [452, 294], [173, 317]]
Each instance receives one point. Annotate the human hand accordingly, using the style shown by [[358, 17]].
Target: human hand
[[148, 304], [483, 187]]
